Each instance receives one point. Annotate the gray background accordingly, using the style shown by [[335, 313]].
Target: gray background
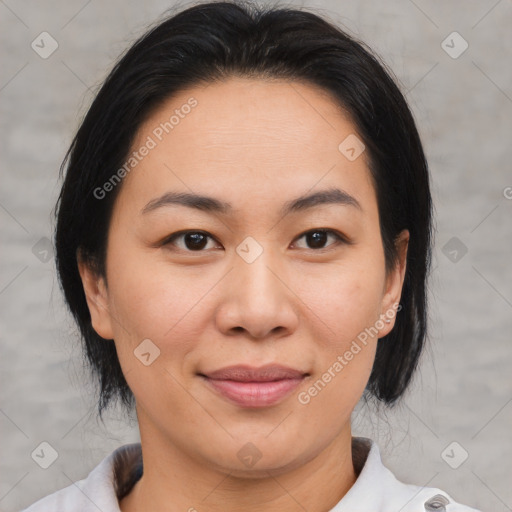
[[463, 106]]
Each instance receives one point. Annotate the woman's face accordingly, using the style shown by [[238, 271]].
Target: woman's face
[[254, 283]]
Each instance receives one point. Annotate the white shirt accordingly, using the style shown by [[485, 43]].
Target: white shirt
[[375, 490]]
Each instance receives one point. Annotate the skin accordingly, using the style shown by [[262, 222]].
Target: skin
[[256, 144]]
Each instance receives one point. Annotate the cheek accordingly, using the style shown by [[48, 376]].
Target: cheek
[[152, 300], [345, 298], [346, 302], [348, 307], [332, 395], [149, 302]]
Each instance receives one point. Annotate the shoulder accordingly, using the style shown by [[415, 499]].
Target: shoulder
[[98, 491], [377, 488]]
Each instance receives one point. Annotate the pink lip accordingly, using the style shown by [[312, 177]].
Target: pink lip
[[254, 387]]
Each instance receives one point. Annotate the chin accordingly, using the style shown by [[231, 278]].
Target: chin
[[260, 470], [259, 458]]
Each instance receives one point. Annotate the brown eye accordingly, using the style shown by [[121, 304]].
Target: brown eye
[[317, 238], [194, 241]]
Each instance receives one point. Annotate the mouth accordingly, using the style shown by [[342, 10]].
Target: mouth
[[252, 387]]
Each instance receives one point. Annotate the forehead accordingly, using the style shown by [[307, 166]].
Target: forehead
[[251, 136]]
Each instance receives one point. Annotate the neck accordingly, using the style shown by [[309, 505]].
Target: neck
[[175, 481]]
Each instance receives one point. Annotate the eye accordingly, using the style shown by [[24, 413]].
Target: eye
[[193, 241], [197, 241], [318, 238]]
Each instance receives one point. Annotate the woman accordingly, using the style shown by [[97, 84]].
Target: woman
[[244, 239]]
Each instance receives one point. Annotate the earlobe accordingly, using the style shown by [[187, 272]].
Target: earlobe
[[96, 294], [394, 284]]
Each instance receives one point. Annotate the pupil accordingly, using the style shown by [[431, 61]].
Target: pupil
[[319, 239], [198, 240]]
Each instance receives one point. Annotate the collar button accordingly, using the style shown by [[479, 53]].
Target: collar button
[[436, 503]]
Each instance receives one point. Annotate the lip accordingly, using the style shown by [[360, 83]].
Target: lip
[[251, 387]]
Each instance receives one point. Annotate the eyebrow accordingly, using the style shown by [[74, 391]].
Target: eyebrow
[[211, 204]]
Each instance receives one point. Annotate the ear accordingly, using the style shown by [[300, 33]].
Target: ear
[[394, 284], [96, 294]]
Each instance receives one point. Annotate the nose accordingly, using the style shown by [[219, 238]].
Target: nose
[[257, 299]]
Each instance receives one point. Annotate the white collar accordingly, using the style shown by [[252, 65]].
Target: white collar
[[375, 490], [378, 490]]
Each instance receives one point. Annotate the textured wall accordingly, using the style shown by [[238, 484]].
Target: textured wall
[[463, 106]]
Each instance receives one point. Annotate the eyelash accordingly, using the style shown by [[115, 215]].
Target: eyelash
[[340, 238]]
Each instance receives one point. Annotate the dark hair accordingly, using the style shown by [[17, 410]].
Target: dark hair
[[214, 41]]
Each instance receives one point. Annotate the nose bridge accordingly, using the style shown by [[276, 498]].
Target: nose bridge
[[258, 300], [255, 270]]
